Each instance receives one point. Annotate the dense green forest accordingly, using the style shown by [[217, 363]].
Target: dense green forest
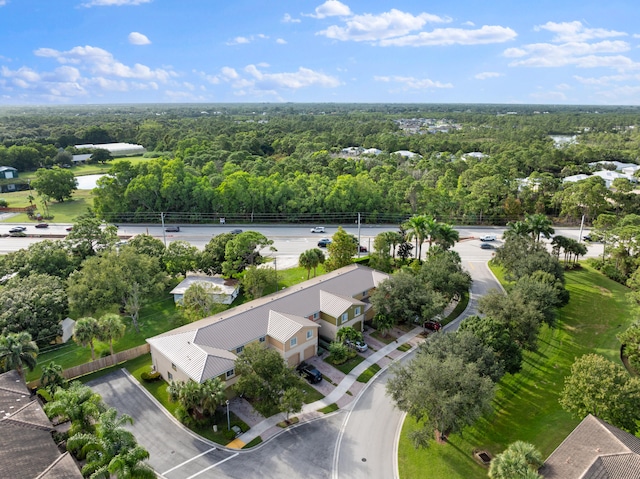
[[283, 162]]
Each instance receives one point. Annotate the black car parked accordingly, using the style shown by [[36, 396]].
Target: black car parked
[[310, 373]]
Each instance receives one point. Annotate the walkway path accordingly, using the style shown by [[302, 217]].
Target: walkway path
[[269, 427]]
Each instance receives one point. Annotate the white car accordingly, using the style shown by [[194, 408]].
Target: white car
[[359, 346], [317, 229]]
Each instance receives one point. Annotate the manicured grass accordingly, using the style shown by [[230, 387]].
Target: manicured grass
[[404, 347], [348, 365], [330, 408], [310, 394], [158, 316], [387, 339], [458, 310], [291, 276], [526, 406], [368, 373], [64, 212], [252, 443]]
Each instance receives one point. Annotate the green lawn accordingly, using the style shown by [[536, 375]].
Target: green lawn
[[66, 211], [348, 365], [526, 406], [158, 316], [368, 373]]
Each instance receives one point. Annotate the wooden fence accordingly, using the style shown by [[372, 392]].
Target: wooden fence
[[100, 363]]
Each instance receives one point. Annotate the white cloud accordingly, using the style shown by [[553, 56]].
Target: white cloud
[[23, 74], [281, 41], [246, 40], [487, 75], [114, 3], [254, 80], [101, 62], [332, 8], [572, 45], [455, 36], [411, 83], [3, 3], [289, 19], [371, 28], [136, 38], [576, 32], [563, 86]]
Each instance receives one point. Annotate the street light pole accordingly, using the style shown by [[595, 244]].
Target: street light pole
[[228, 418]]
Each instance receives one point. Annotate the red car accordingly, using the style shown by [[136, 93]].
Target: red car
[[42, 225], [433, 325]]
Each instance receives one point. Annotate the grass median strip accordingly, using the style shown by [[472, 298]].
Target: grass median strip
[[368, 373]]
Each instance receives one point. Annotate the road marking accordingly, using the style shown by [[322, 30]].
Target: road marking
[[213, 465], [188, 460]]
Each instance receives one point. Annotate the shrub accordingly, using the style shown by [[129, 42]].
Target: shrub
[[340, 353], [150, 377], [3, 203]]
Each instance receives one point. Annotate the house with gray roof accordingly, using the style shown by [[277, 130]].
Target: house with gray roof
[[27, 448], [220, 289], [595, 450], [289, 321]]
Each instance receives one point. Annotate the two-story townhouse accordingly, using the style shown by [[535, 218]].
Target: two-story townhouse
[[288, 321]]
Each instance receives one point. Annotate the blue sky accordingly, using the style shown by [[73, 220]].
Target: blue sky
[[463, 51]]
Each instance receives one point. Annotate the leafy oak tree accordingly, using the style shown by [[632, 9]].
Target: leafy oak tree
[[442, 395], [57, 183], [255, 280], [341, 250], [630, 339], [600, 387], [36, 304], [243, 251]]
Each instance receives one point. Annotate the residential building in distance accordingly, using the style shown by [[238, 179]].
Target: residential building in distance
[[222, 290], [289, 321], [116, 149]]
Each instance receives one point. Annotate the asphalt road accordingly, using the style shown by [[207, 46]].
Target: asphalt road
[[367, 446], [176, 453]]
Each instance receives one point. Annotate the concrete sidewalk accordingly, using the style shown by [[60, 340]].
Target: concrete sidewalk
[[310, 411]]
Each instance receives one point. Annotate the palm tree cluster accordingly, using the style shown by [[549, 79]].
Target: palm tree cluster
[[536, 225], [520, 460], [109, 327], [423, 228], [96, 435], [311, 259], [572, 249], [197, 400]]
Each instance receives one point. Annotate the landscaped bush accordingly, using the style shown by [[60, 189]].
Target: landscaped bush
[[340, 353], [3, 203], [150, 377]]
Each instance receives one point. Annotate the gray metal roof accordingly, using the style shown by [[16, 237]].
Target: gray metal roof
[[335, 304], [248, 322], [595, 450]]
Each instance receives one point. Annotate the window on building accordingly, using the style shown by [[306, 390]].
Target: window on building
[[357, 311], [239, 349], [263, 339], [345, 317], [230, 373], [364, 293], [173, 366], [170, 376], [293, 342], [310, 334], [316, 315]]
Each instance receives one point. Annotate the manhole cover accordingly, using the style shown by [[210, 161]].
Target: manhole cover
[[364, 459]]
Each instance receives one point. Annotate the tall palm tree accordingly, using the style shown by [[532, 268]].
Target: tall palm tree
[[111, 328], [17, 350], [85, 332], [129, 465], [78, 404], [539, 225], [446, 236], [52, 378], [416, 227], [306, 261], [516, 228]]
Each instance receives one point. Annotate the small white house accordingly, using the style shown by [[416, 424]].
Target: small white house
[[222, 290], [407, 154]]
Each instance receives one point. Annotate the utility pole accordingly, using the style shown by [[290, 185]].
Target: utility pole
[[358, 235], [581, 228], [164, 233]]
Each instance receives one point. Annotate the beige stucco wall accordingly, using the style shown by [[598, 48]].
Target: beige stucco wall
[[163, 365]]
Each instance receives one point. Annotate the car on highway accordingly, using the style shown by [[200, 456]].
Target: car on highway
[[363, 249], [172, 229], [69, 228], [309, 372], [236, 231], [488, 238], [486, 246], [587, 238], [42, 225], [359, 346], [432, 325], [324, 242], [317, 229], [18, 229]]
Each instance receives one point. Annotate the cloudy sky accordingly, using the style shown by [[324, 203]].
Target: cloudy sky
[[382, 51]]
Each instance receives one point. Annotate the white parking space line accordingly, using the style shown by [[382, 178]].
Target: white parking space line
[[188, 460], [213, 465]]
